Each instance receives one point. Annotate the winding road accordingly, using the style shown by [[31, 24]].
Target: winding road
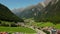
[[37, 30]]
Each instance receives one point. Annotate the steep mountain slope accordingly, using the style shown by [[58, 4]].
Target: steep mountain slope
[[17, 11], [46, 11], [46, 2], [51, 12], [30, 11], [7, 15]]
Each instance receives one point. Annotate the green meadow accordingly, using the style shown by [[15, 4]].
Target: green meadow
[[17, 29], [48, 24]]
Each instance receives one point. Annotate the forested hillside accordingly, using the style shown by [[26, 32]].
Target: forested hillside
[[7, 15], [51, 12]]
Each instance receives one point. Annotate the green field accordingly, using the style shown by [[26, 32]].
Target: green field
[[57, 26], [17, 29], [25, 29], [46, 24]]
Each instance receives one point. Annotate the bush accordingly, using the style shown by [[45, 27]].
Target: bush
[[46, 31], [13, 25], [5, 25]]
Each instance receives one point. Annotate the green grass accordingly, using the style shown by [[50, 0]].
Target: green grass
[[16, 29], [30, 33], [48, 24], [43, 24], [57, 26]]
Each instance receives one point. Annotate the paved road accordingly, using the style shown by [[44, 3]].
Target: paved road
[[40, 31], [37, 30]]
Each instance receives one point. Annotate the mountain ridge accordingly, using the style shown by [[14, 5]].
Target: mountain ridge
[[50, 12], [7, 15]]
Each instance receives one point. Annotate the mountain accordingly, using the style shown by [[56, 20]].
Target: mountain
[[51, 12], [30, 11], [7, 15], [17, 11], [44, 11], [46, 2]]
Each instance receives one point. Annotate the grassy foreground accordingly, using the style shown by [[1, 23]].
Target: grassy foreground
[[17, 29]]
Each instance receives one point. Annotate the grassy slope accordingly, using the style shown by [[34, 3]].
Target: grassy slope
[[57, 26], [48, 24], [17, 29], [45, 24]]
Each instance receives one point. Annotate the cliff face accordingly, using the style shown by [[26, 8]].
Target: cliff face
[[46, 2], [51, 12], [7, 15]]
